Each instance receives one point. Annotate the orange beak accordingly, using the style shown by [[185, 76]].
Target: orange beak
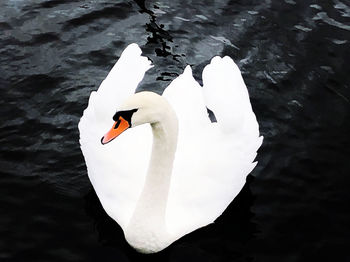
[[118, 127]]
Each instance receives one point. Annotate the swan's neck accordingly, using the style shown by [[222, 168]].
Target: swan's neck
[[147, 230]]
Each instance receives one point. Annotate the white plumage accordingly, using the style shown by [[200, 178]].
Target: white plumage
[[211, 160]]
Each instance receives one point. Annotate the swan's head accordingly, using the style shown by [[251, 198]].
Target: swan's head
[[140, 108]]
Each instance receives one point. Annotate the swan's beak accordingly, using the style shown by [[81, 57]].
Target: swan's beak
[[118, 127]]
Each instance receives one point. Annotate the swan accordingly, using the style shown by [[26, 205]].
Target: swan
[[160, 168]]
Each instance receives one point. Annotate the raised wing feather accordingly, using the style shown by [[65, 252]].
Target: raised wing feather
[[186, 97], [116, 170], [121, 82], [212, 159]]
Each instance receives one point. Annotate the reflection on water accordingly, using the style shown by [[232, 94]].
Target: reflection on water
[[293, 56]]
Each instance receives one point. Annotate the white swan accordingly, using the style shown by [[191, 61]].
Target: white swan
[[194, 169]]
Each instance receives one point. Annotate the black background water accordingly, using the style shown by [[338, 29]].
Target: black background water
[[294, 56]]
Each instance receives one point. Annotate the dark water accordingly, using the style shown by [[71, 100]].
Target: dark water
[[294, 56]]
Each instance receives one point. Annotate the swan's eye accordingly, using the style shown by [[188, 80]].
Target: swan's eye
[[126, 114], [117, 124]]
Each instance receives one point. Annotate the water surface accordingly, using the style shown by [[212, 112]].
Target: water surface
[[294, 57]]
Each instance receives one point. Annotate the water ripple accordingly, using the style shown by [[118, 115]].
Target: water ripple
[[294, 58], [325, 18]]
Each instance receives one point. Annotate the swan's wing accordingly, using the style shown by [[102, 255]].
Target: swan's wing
[[117, 169], [210, 168], [227, 96], [120, 82], [186, 97]]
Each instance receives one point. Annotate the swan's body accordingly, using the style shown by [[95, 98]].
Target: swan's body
[[194, 169]]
